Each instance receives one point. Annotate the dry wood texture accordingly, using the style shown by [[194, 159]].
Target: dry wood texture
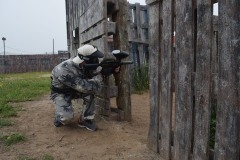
[[202, 110], [122, 78], [228, 110], [154, 38], [202, 72], [165, 79]]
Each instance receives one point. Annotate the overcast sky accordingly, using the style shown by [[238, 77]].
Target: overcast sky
[[31, 25]]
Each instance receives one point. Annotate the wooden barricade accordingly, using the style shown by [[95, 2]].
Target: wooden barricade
[[102, 23], [186, 78], [138, 33]]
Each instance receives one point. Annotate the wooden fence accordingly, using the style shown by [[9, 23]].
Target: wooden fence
[[31, 63], [138, 33], [185, 80], [138, 39]]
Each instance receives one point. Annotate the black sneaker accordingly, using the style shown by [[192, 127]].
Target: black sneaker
[[57, 123], [88, 124]]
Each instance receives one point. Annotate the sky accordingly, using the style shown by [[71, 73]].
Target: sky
[[31, 26]]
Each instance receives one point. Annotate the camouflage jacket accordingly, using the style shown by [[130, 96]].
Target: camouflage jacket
[[68, 78]]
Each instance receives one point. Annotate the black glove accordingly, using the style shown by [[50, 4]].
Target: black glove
[[107, 71]]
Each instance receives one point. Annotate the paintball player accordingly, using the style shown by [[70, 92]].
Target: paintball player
[[71, 80]]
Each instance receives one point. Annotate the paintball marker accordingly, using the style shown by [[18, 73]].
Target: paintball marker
[[109, 64]]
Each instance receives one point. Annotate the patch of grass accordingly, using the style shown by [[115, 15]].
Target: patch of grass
[[21, 87], [25, 158], [6, 110], [12, 139], [5, 122], [44, 157], [47, 157]]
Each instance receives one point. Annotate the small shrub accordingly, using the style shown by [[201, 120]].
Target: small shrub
[[141, 79]]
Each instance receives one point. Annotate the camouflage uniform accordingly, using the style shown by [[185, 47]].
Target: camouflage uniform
[[69, 82]]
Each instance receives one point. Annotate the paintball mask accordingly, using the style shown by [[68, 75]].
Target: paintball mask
[[90, 55]]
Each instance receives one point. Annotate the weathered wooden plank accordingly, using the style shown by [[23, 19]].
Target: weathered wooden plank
[[93, 32], [97, 31], [214, 65], [75, 13], [130, 16], [215, 23], [203, 80], [138, 23], [67, 21], [228, 109], [93, 15], [214, 1], [138, 20], [100, 44], [154, 50], [121, 42], [184, 95], [111, 28], [165, 79], [102, 106], [84, 5], [111, 91], [149, 2]]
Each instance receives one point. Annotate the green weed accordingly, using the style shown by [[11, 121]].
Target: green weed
[[44, 157], [140, 79], [5, 122], [47, 157], [6, 110], [213, 123], [12, 139]]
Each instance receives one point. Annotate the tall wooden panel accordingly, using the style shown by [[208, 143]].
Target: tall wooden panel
[[122, 78], [228, 110], [184, 95], [154, 37], [165, 79], [203, 80]]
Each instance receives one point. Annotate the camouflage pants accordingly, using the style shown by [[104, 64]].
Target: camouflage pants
[[64, 112]]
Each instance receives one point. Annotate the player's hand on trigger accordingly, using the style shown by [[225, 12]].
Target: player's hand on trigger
[[117, 69]]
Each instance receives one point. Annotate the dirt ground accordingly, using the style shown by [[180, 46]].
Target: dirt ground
[[114, 140]]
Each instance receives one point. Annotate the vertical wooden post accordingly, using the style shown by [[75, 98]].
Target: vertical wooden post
[[166, 76], [138, 21], [184, 52], [214, 58], [154, 50], [121, 42], [228, 109], [203, 80]]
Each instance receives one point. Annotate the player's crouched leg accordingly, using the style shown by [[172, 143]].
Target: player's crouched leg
[[64, 112]]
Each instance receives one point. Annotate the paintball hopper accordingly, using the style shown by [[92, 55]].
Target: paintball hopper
[[120, 54]]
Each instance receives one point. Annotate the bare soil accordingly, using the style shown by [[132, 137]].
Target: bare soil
[[114, 140]]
